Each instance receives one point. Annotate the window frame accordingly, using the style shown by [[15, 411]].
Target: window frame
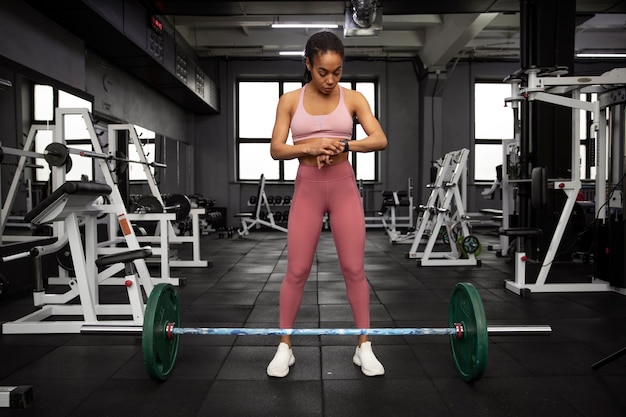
[[56, 91], [281, 164], [485, 141]]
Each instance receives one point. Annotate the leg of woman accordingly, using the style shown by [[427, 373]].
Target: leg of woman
[[303, 232], [348, 226]]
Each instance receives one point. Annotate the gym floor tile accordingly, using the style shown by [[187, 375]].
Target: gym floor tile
[[272, 398], [550, 375], [383, 397]]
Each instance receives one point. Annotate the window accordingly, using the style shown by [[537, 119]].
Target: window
[[147, 138], [45, 99], [587, 140], [256, 113], [492, 123]]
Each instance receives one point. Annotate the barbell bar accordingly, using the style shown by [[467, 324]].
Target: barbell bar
[[25, 153], [468, 332], [456, 331], [56, 154]]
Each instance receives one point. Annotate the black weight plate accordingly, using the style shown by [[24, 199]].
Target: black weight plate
[[56, 154], [179, 204], [64, 258], [149, 204]]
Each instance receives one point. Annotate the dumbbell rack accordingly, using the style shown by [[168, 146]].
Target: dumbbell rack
[[445, 209], [253, 219]]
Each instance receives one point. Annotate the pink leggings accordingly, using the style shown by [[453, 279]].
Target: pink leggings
[[331, 190]]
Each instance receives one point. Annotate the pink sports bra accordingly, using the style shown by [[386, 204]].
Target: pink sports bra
[[336, 124]]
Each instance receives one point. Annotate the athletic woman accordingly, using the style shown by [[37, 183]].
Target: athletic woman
[[320, 116]]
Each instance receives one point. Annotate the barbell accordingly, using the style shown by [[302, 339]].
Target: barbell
[[28, 154], [175, 203], [57, 154], [468, 332]]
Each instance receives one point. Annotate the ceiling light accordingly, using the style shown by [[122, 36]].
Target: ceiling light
[[601, 55], [305, 25], [291, 53]]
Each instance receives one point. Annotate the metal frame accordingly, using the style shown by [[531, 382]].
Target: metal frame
[[164, 240], [8, 202], [549, 89], [74, 211], [391, 221], [250, 220], [445, 208]]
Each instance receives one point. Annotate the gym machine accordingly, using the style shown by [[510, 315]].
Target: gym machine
[[164, 240], [444, 217], [392, 200], [74, 204], [57, 155], [25, 154], [551, 86]]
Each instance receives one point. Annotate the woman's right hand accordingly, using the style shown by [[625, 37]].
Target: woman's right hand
[[324, 146]]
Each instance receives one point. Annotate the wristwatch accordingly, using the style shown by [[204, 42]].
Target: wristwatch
[[347, 146]]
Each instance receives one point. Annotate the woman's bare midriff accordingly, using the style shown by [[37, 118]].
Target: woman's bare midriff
[[312, 160]]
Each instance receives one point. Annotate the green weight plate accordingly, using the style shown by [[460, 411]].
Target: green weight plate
[[159, 351], [469, 352], [471, 244]]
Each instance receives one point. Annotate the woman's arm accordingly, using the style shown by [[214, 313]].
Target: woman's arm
[[376, 139]]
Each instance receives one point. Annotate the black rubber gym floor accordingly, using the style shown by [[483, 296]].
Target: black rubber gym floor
[[96, 375]]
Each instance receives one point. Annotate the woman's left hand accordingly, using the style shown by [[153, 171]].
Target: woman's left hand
[[323, 160]]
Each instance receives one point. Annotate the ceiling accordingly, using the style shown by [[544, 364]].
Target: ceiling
[[437, 31]]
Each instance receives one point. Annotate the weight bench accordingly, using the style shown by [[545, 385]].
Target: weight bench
[[391, 201], [252, 219], [73, 203]]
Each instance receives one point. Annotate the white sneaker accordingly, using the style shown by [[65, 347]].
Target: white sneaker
[[283, 359], [365, 358]]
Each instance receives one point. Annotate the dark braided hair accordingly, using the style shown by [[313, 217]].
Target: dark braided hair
[[319, 43]]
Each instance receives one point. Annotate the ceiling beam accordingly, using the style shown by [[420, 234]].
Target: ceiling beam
[[443, 42]]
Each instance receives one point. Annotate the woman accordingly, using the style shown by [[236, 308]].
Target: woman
[[320, 116]]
